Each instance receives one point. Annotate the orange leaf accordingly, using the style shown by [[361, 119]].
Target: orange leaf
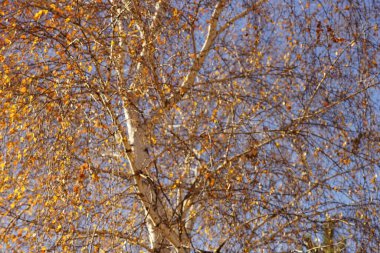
[[23, 89]]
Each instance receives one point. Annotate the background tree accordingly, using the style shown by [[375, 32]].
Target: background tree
[[182, 126], [331, 242]]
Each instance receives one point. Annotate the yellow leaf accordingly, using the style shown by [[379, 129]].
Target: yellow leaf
[[39, 14], [95, 177], [23, 89], [68, 8], [19, 196], [373, 179], [346, 161]]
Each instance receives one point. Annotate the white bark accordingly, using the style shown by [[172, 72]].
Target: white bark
[[201, 56], [135, 140], [136, 147]]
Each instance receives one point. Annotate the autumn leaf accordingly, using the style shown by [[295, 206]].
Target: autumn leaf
[[40, 13], [23, 89]]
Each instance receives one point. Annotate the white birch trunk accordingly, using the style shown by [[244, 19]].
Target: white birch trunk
[[162, 235], [136, 144]]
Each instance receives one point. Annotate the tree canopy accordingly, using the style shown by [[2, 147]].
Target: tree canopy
[[189, 126]]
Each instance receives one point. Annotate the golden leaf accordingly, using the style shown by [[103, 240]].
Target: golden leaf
[[38, 15], [59, 228], [23, 89], [373, 179], [212, 182], [95, 177]]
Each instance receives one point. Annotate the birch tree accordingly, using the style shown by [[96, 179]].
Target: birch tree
[[188, 126]]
